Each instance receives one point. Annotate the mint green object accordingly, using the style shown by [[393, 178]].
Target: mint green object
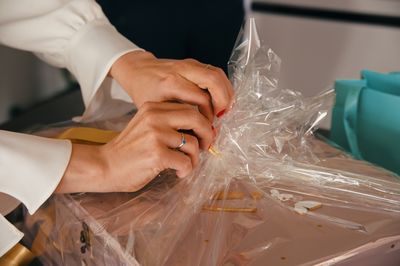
[[366, 118]]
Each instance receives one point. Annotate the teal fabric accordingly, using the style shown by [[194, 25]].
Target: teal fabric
[[366, 118]]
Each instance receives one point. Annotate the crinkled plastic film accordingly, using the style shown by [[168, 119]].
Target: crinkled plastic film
[[244, 204]]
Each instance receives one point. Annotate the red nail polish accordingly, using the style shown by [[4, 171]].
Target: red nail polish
[[221, 113]]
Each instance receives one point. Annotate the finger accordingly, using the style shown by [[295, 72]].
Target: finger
[[190, 119], [188, 92], [213, 79], [178, 116], [191, 148], [173, 139], [228, 84], [230, 90], [178, 161]]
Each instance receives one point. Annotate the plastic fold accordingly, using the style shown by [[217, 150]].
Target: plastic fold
[[274, 194]]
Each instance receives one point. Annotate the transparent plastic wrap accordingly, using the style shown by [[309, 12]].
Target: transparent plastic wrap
[[269, 193]]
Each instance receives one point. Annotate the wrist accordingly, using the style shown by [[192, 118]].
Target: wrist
[[85, 171], [128, 61]]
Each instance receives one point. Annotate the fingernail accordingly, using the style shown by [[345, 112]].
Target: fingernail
[[221, 113]]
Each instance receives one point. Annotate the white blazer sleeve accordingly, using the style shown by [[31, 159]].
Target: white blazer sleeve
[[74, 34]]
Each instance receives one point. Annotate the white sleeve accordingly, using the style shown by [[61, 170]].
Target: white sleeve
[[74, 34], [31, 168]]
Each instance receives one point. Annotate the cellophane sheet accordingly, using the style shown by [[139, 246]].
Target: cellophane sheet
[[271, 193]]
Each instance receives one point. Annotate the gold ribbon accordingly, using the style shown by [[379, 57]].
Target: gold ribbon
[[17, 256], [88, 135]]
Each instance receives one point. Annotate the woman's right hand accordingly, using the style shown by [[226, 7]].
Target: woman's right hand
[[141, 151]]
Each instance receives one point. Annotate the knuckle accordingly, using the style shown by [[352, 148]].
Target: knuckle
[[149, 118], [220, 71], [176, 65], [146, 107], [190, 61], [204, 98], [169, 79]]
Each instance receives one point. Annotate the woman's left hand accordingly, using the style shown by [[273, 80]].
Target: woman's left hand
[[148, 79]]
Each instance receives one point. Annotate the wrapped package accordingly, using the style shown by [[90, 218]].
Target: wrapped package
[[268, 193]]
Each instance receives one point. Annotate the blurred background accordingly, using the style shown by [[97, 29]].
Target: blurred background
[[319, 41]]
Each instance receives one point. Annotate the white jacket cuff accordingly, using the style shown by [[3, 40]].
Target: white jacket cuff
[[110, 101], [92, 52], [31, 167]]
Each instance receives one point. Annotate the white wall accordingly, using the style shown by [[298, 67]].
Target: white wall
[[315, 53]]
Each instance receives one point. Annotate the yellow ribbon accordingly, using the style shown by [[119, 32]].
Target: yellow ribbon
[[17, 256], [88, 135]]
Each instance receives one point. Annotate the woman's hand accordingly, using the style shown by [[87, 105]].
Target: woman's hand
[[148, 79], [146, 147]]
